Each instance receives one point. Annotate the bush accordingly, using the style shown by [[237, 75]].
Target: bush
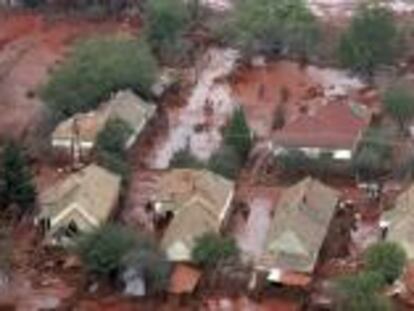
[[386, 258], [272, 26], [16, 185], [370, 40], [212, 248], [360, 292], [96, 68], [102, 250]]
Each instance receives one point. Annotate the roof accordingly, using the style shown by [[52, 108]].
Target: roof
[[184, 279], [336, 125], [401, 221], [88, 126], [201, 199], [125, 105], [94, 190], [299, 226], [130, 108]]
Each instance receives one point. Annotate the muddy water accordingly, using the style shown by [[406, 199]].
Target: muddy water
[[208, 107]]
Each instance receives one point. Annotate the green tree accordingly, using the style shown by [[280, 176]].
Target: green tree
[[16, 179], [370, 40], [102, 250], [293, 161], [110, 146], [367, 163], [166, 23], [386, 258], [185, 159], [226, 162], [269, 26], [374, 153], [96, 68], [399, 104], [33, 3], [360, 293], [238, 135], [212, 248], [114, 136], [152, 262]]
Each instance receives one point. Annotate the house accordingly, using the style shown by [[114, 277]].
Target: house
[[78, 134], [297, 231], [334, 129], [199, 201], [80, 203], [398, 223]]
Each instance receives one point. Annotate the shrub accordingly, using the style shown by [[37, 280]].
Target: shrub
[[386, 258], [102, 250], [211, 248], [96, 68], [370, 40]]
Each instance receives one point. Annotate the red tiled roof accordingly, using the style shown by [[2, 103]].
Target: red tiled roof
[[332, 126]]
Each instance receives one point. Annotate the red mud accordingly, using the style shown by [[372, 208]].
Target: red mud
[[30, 46]]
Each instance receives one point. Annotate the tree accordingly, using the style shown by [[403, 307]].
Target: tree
[[367, 163], [226, 162], [293, 160], [16, 179], [96, 68], [110, 146], [360, 292], [166, 23], [370, 40], [152, 263], [102, 250], [114, 136], [399, 104], [238, 135], [33, 3], [185, 159], [272, 26], [386, 258], [212, 248]]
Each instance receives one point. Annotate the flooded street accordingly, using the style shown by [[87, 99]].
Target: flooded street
[[209, 106]]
